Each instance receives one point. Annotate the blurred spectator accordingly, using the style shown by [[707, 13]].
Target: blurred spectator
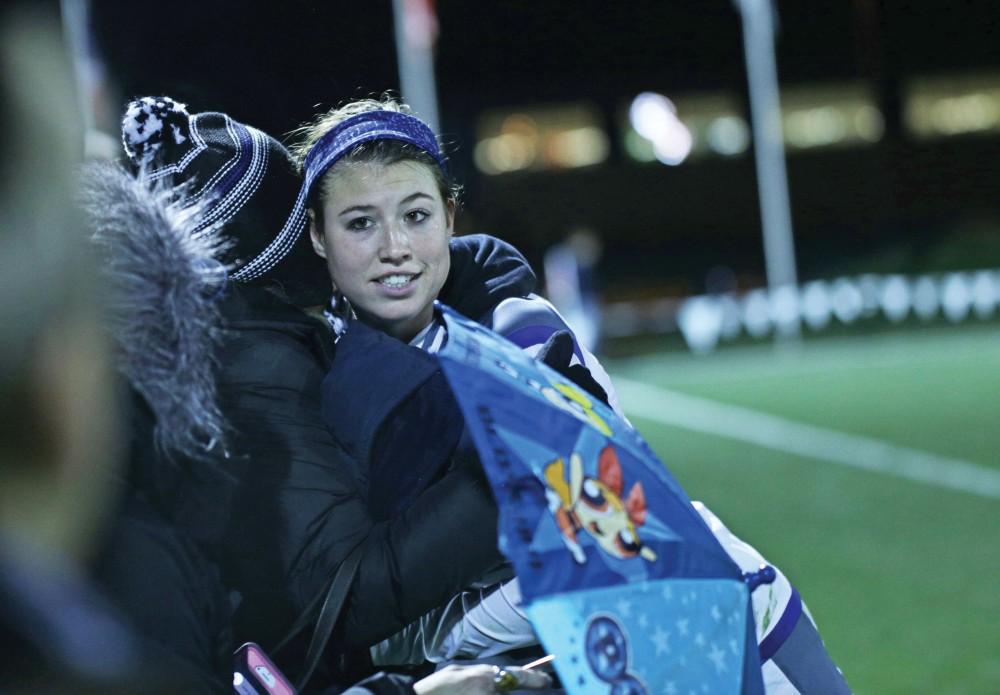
[[571, 284], [56, 388]]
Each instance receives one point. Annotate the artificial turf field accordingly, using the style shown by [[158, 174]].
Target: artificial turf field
[[902, 576]]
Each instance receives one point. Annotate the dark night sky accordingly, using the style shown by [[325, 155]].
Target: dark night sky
[[275, 65], [273, 62]]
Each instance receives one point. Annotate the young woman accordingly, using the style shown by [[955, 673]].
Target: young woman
[[382, 214]]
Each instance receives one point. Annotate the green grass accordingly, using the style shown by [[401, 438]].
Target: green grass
[[902, 577]]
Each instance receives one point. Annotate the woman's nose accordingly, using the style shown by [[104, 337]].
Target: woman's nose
[[395, 245]]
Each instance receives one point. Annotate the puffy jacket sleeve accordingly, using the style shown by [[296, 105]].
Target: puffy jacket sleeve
[[300, 508]]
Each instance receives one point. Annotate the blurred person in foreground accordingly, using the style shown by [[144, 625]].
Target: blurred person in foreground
[[57, 391]]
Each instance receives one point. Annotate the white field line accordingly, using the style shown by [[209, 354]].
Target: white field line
[[733, 422]]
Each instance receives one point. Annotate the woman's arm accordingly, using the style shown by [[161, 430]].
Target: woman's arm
[[530, 321]]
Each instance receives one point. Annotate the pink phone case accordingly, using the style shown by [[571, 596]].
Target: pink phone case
[[254, 673]]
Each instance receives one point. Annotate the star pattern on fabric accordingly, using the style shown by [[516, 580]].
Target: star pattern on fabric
[[661, 640], [716, 613], [718, 658]]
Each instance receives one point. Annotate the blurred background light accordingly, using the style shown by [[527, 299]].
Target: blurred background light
[[925, 298], [655, 128], [654, 117], [829, 115], [784, 305], [816, 306], [985, 293], [895, 298], [943, 106], [956, 297], [563, 136], [757, 313], [846, 300], [728, 135], [700, 320]]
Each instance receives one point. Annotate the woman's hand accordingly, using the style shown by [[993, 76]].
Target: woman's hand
[[481, 679]]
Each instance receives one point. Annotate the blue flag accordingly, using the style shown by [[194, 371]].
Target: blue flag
[[622, 580]]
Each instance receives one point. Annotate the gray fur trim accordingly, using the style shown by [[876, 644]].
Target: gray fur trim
[[165, 283]]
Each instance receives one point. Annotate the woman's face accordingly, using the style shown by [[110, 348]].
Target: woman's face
[[385, 240]]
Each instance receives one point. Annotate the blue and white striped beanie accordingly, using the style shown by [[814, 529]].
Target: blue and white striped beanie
[[247, 182]]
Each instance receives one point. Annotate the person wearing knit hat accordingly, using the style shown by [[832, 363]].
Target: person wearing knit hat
[[246, 182], [205, 240]]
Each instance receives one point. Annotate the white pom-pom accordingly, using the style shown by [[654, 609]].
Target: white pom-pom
[[144, 127]]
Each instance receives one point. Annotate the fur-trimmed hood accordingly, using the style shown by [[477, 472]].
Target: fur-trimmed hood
[[165, 283]]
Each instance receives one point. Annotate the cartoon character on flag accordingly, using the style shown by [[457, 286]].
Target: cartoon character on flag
[[622, 580]]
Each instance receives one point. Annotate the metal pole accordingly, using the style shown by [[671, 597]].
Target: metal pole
[[772, 179], [416, 26]]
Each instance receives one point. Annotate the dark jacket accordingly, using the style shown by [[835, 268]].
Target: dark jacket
[[405, 425], [297, 509], [289, 502]]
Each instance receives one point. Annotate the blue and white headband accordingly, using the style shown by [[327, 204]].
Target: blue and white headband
[[365, 127]]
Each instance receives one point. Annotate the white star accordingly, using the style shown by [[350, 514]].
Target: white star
[[643, 621], [716, 614], [717, 657], [682, 626], [699, 639], [668, 593], [624, 608], [704, 687], [670, 688], [661, 639], [734, 647], [684, 600]]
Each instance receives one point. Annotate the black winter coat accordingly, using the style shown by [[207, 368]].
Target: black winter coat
[[296, 501]]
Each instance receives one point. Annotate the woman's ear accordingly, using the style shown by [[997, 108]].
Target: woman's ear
[[316, 236]]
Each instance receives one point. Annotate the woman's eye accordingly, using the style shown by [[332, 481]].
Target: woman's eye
[[417, 215], [360, 223]]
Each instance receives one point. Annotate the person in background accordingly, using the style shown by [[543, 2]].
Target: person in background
[[382, 208], [571, 283]]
